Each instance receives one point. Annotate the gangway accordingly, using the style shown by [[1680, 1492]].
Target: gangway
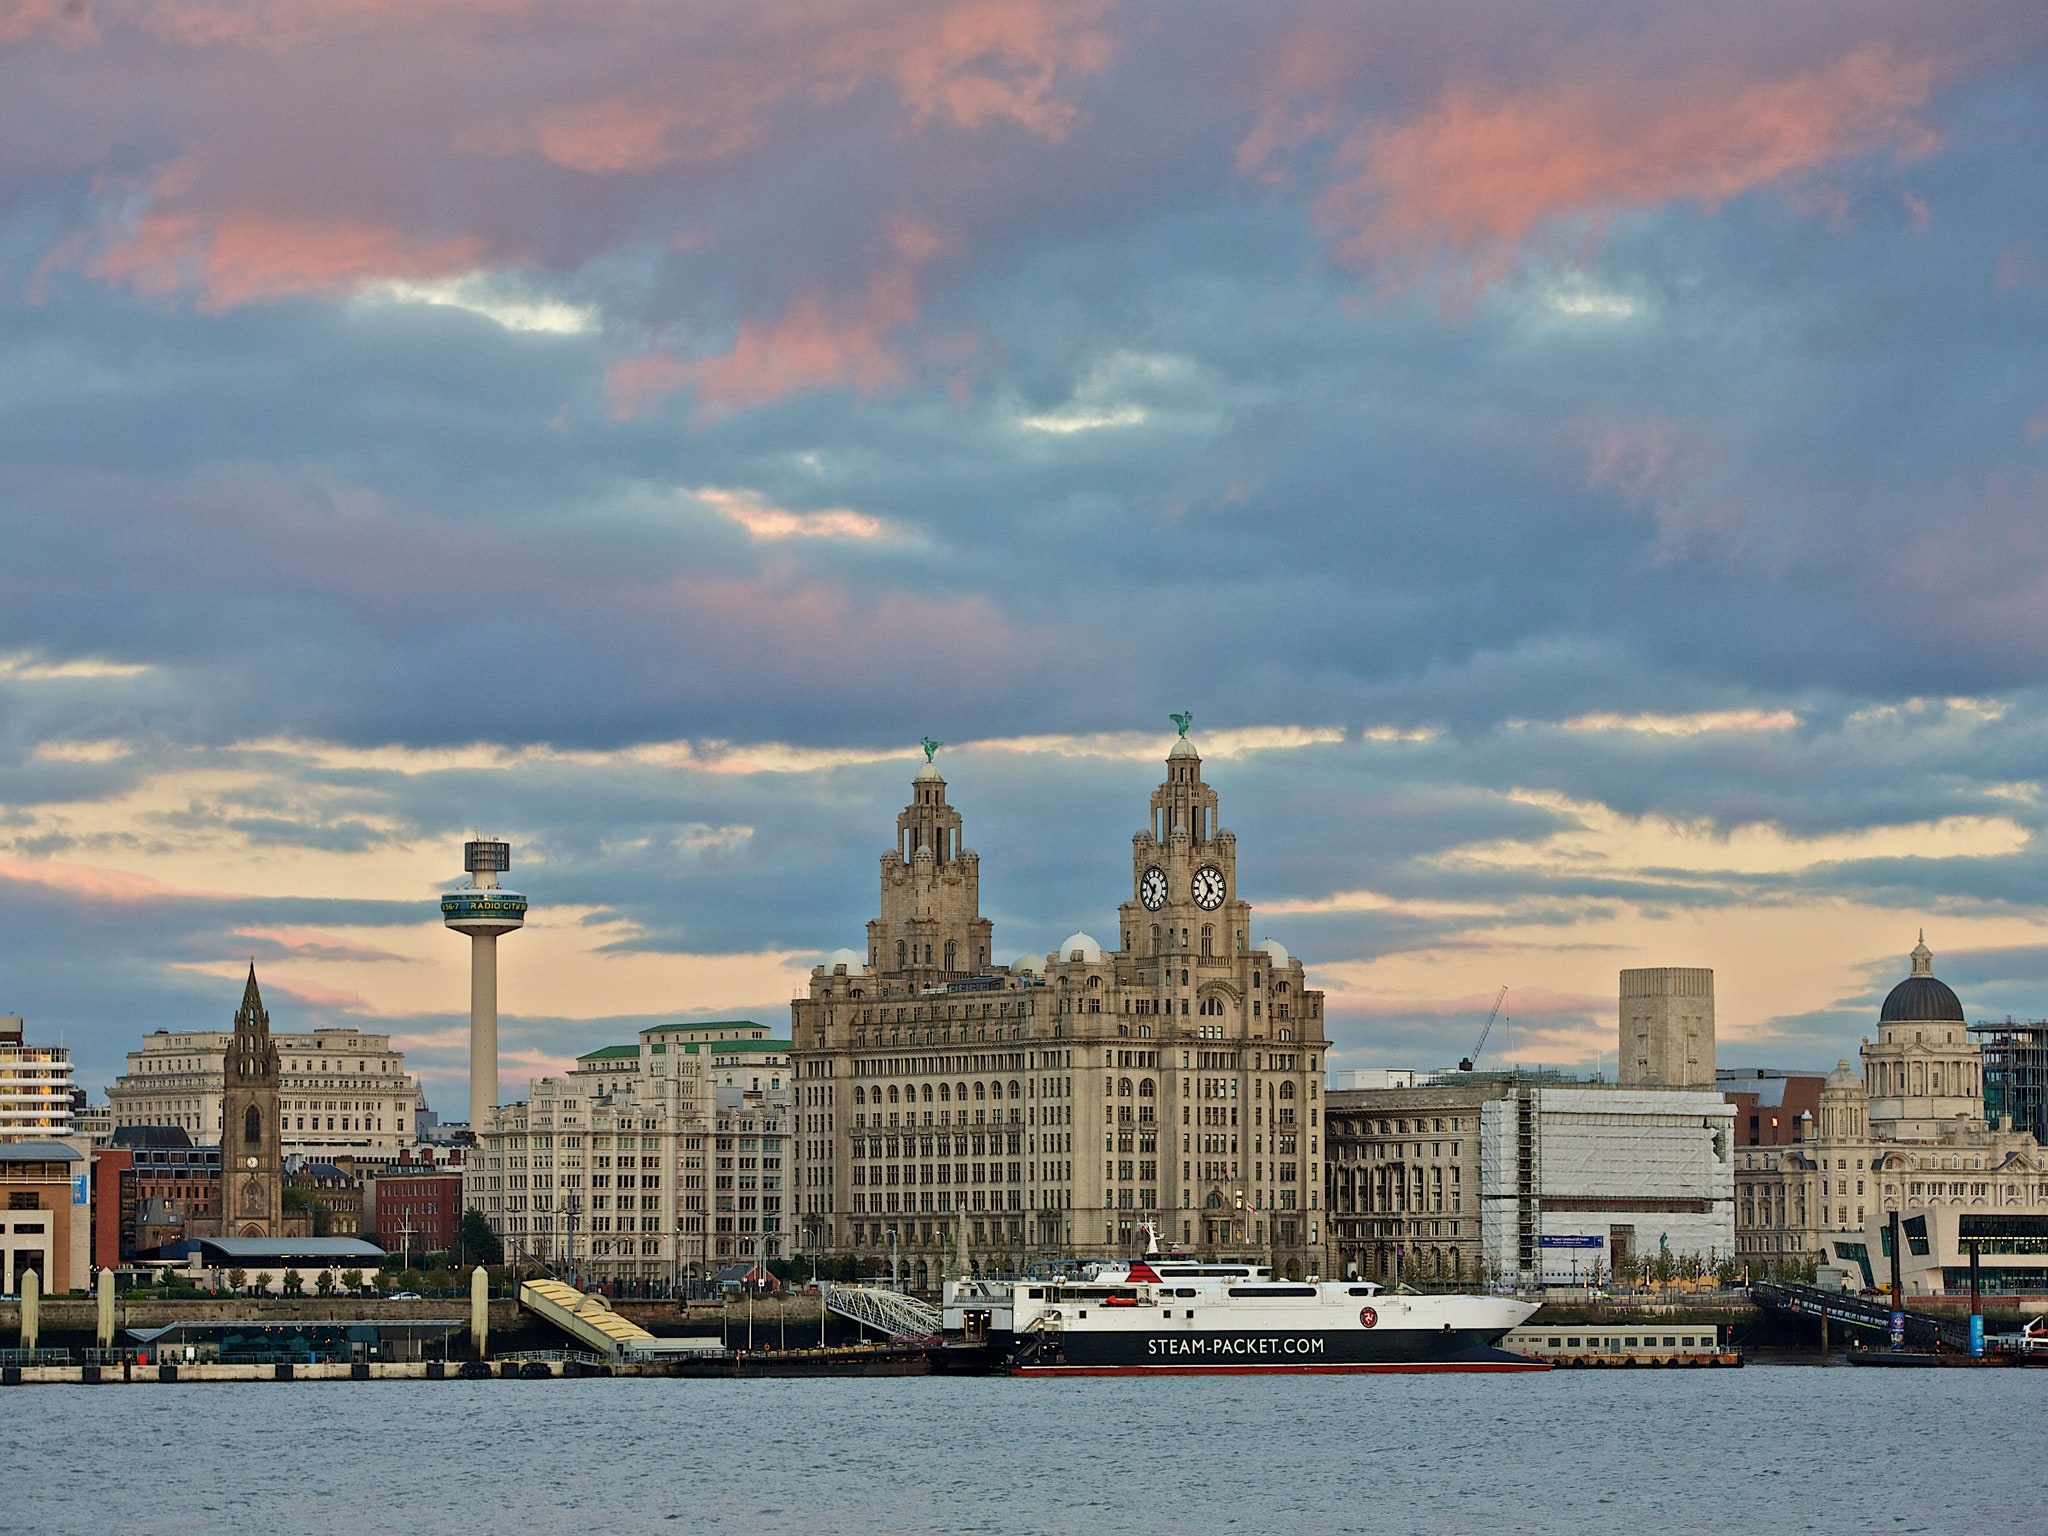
[[590, 1320], [1922, 1331], [885, 1311]]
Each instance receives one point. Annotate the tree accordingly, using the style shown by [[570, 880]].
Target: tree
[[294, 1283], [352, 1279], [237, 1278], [263, 1280], [325, 1284], [479, 1244]]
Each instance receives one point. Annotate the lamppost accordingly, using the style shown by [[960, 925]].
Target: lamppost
[[571, 1209]]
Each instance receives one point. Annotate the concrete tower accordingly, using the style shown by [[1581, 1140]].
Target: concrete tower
[[1667, 1027], [483, 911]]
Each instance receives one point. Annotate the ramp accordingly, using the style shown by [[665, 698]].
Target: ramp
[[590, 1321], [885, 1311]]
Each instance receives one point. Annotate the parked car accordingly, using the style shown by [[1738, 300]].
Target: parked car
[[406, 1296]]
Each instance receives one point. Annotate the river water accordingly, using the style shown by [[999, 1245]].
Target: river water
[[1768, 1448]]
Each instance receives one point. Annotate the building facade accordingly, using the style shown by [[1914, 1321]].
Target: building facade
[[649, 1163], [1908, 1133], [342, 1093], [959, 1112], [35, 1086], [1404, 1176], [413, 1210], [45, 1215]]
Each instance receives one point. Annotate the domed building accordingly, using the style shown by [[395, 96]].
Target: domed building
[[1907, 1133]]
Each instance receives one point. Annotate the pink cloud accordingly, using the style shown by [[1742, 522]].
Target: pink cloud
[[1479, 171], [93, 884], [245, 257]]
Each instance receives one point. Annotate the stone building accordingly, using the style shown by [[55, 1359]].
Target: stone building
[[952, 1107], [1907, 1133], [649, 1162], [1404, 1176], [1667, 1027], [343, 1093]]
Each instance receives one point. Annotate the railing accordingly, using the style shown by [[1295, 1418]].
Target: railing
[[887, 1312], [524, 1356], [35, 1357]]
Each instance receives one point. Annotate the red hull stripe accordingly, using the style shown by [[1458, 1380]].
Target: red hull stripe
[[1415, 1368]]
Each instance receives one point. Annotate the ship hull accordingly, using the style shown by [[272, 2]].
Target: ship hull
[[1280, 1352]]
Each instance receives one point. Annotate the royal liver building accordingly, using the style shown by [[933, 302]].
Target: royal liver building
[[974, 1113]]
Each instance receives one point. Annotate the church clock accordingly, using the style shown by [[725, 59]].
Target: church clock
[[1208, 888], [1152, 889]]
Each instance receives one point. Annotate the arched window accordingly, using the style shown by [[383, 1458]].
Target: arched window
[[860, 1094], [1016, 1089], [1287, 1090], [960, 1092], [252, 1125], [927, 1093], [977, 1093], [945, 1094], [892, 1093], [1123, 1089], [1145, 1088]]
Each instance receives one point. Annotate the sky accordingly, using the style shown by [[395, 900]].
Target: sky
[[1583, 466]]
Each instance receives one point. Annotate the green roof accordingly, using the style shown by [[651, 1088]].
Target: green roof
[[610, 1052], [775, 1046], [662, 1029]]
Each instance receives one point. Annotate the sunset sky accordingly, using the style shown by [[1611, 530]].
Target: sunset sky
[[1584, 466]]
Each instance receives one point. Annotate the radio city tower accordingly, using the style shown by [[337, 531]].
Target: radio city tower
[[483, 911]]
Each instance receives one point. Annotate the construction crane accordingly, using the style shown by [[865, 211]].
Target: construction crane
[[1467, 1064]]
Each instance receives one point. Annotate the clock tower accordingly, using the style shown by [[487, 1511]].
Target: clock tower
[[1184, 870], [931, 930], [251, 1155]]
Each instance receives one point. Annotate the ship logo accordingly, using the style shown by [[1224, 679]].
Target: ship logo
[[1367, 1318]]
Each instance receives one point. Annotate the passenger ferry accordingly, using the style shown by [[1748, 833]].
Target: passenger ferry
[[1169, 1315]]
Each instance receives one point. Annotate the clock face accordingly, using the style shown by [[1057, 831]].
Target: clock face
[[1152, 889], [1208, 887]]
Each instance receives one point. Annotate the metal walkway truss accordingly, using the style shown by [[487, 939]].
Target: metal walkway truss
[[885, 1311]]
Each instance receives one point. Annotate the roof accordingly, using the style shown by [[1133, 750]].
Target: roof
[[747, 1045], [1921, 999], [278, 1250], [663, 1029], [152, 1136], [609, 1052], [39, 1152]]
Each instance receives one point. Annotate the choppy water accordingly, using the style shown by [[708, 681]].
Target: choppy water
[[1763, 1449]]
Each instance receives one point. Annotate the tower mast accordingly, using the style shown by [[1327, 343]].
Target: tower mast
[[483, 911]]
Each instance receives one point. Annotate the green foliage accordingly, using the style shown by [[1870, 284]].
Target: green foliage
[[440, 1282], [325, 1284], [296, 1199], [352, 1279], [294, 1283], [237, 1278], [479, 1244]]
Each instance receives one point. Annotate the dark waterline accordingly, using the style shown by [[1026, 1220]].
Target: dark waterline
[[1764, 1449]]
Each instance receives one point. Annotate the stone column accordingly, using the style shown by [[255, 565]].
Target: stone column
[[31, 1308], [106, 1293], [479, 1309]]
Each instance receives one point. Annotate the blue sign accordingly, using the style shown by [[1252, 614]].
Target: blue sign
[[1977, 1335], [1898, 1330], [81, 1190], [1572, 1242]]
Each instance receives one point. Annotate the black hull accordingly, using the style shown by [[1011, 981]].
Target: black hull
[[1121, 1352]]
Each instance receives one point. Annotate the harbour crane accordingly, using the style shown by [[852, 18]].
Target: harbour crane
[[1467, 1064]]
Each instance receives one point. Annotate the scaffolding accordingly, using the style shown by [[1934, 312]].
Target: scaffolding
[[2016, 1073]]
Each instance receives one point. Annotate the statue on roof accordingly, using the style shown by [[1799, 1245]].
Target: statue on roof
[[1183, 721], [929, 746]]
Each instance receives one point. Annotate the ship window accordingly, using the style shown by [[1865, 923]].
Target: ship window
[[1185, 1290], [1361, 1290], [1271, 1291], [1036, 1293]]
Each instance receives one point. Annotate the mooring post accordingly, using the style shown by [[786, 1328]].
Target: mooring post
[[1823, 1338], [106, 1291], [31, 1308]]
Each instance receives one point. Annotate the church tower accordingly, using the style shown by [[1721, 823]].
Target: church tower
[[931, 929], [251, 1157]]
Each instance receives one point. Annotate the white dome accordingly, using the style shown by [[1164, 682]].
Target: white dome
[[855, 962], [1276, 950], [1029, 963], [929, 774], [1090, 950]]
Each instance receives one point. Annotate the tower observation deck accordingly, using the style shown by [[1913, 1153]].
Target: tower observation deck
[[483, 910]]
